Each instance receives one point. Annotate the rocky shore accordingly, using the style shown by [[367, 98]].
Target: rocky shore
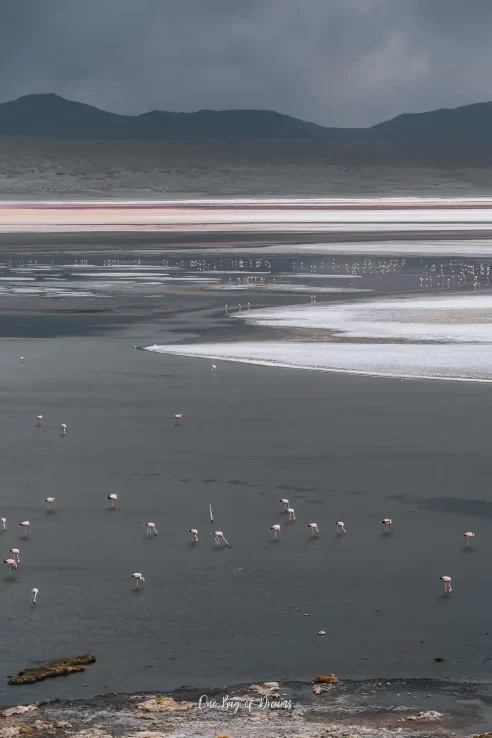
[[265, 710]]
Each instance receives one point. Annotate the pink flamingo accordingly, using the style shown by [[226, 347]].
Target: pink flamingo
[[447, 583], [63, 429], [12, 564], [276, 530], [112, 498], [49, 501], [195, 533], [3, 522], [178, 418], [34, 594], [39, 418], [292, 513], [138, 578], [218, 536], [387, 522], [150, 528], [25, 524], [341, 527], [314, 528], [16, 553], [468, 536], [285, 502]]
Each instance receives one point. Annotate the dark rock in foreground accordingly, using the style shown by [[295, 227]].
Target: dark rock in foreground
[[62, 667]]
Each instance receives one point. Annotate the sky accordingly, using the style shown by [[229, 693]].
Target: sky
[[334, 62]]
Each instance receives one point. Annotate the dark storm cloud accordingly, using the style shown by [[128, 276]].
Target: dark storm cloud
[[337, 62]]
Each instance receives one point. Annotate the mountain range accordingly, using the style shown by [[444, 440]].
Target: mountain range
[[52, 116]]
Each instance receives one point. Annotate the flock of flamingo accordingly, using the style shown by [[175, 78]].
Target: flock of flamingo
[[151, 530]]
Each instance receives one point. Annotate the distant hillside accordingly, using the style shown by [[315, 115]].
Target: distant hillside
[[54, 117]]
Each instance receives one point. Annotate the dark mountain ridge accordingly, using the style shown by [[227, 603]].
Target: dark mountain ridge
[[49, 115]]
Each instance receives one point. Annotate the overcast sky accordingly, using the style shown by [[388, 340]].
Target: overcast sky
[[335, 62]]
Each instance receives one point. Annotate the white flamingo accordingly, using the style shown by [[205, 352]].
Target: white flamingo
[[292, 513], [39, 418], [49, 501], [112, 498], [314, 528], [34, 594], [150, 528], [285, 503], [195, 533], [25, 524], [468, 537], [16, 553], [214, 368], [63, 429], [447, 583], [3, 522], [138, 578], [341, 527], [387, 522], [178, 418], [12, 564], [276, 530], [218, 536]]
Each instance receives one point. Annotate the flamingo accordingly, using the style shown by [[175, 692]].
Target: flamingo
[[150, 528], [468, 537], [34, 594], [276, 529], [39, 418], [214, 368], [387, 522], [112, 498], [12, 564], [285, 503], [3, 522], [447, 583], [25, 524], [16, 553], [49, 501], [195, 533], [314, 528], [22, 358], [138, 578], [218, 535], [341, 527], [178, 417], [292, 513], [63, 429]]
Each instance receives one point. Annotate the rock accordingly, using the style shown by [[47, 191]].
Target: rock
[[325, 679], [63, 724], [267, 689], [17, 710], [320, 688], [439, 659], [53, 669], [426, 715], [164, 704], [42, 725], [10, 731], [25, 730]]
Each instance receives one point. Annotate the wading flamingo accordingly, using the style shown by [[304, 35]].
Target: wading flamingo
[[34, 594], [195, 533], [218, 536], [39, 418], [63, 429], [341, 527], [447, 583], [11, 564], [49, 501], [276, 530], [25, 524], [112, 498], [292, 513], [16, 553], [150, 528], [285, 503], [468, 537], [387, 522], [138, 578], [3, 522], [314, 528]]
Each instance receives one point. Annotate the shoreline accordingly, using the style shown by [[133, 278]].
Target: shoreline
[[376, 707]]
